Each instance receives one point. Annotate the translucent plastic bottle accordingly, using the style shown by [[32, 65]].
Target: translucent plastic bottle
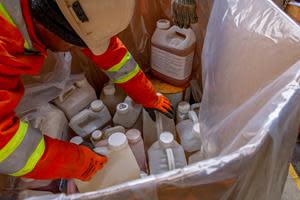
[[166, 154], [112, 97], [172, 53], [182, 111], [189, 133], [96, 137], [76, 98], [136, 144], [121, 166], [89, 120]]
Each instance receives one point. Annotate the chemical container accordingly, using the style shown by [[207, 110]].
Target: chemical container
[[89, 120], [182, 111], [96, 137], [76, 98], [172, 53], [166, 154], [136, 144], [121, 166]]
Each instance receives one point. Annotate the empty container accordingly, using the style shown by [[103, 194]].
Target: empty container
[[96, 137], [89, 120], [166, 154], [182, 111]]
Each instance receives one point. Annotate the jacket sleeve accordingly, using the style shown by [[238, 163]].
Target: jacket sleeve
[[122, 69]]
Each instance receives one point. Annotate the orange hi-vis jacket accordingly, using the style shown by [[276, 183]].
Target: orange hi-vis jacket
[[24, 151]]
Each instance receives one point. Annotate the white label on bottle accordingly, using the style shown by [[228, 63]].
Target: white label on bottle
[[171, 65]]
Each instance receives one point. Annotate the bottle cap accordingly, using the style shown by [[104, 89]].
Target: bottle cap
[[97, 135], [77, 140], [97, 105], [109, 90], [123, 108], [196, 129], [184, 107], [166, 138], [163, 24], [117, 141], [133, 135]]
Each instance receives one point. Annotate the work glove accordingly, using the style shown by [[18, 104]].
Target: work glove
[[163, 106], [184, 13]]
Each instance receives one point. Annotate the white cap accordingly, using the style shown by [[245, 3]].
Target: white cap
[[196, 129], [184, 107], [97, 135], [97, 105], [123, 108], [133, 135], [77, 140], [163, 24], [117, 141], [109, 90], [166, 138]]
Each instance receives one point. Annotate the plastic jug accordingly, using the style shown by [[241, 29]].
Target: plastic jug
[[152, 130], [189, 133], [136, 144], [96, 137], [76, 98], [166, 154], [172, 53], [111, 97], [128, 114], [182, 111], [89, 120], [121, 166]]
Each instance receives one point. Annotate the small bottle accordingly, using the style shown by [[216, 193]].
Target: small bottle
[[96, 137], [182, 111]]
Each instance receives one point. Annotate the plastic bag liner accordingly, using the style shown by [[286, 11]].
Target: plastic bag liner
[[249, 116]]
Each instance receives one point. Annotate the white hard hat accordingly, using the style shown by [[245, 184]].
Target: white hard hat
[[96, 21]]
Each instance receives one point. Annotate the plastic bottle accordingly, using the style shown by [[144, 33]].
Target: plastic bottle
[[189, 133], [128, 114], [121, 166], [182, 111], [89, 120], [172, 53], [96, 137], [111, 97], [166, 154], [136, 144], [76, 98]]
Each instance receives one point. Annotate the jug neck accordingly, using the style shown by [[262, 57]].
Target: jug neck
[[117, 142], [123, 108], [97, 106], [166, 140]]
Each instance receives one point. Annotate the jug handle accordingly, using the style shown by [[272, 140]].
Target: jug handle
[[193, 116], [171, 159], [76, 125], [185, 32], [67, 93]]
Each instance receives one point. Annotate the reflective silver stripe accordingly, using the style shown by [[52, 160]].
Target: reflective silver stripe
[[17, 160], [125, 70], [14, 9]]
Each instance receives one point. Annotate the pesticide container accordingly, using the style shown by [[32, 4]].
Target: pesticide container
[[166, 154], [76, 98], [182, 111], [121, 166], [89, 120], [128, 114], [111, 97], [136, 144], [172, 53], [96, 137], [189, 133]]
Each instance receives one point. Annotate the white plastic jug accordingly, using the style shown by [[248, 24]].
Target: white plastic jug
[[189, 133], [121, 166], [136, 144], [76, 98], [166, 154], [172, 53], [111, 97], [89, 120], [128, 114], [182, 111], [152, 130]]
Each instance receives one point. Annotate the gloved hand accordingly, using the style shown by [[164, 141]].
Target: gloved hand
[[184, 13], [162, 105]]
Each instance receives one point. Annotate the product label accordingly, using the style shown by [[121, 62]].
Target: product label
[[171, 65]]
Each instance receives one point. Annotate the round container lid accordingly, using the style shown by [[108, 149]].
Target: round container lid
[[163, 24], [77, 140], [184, 107], [97, 105], [97, 135], [166, 138], [117, 141], [109, 90], [133, 135], [123, 108]]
